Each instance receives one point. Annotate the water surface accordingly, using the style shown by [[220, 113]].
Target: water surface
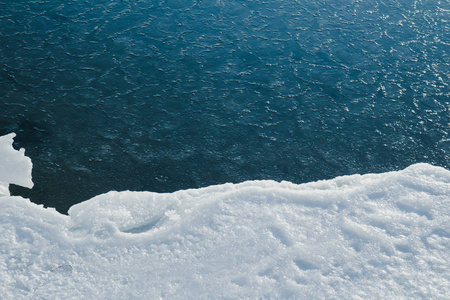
[[169, 95]]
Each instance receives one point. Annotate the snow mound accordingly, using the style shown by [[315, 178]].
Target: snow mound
[[375, 236], [15, 167]]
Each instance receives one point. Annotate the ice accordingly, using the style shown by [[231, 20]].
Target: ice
[[15, 167], [373, 236]]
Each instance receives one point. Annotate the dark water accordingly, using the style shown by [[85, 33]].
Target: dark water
[[169, 95]]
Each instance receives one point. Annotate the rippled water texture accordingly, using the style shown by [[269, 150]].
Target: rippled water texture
[[168, 95]]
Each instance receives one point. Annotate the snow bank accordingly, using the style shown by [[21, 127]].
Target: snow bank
[[375, 236], [15, 167]]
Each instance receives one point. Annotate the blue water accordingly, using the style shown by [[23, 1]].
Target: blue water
[[167, 95]]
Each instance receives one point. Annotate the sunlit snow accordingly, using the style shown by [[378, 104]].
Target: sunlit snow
[[375, 236]]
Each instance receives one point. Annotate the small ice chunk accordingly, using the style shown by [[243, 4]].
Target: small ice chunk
[[15, 167]]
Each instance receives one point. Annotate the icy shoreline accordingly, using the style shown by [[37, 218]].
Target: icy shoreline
[[360, 236]]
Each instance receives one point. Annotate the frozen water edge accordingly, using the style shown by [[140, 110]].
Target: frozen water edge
[[370, 236]]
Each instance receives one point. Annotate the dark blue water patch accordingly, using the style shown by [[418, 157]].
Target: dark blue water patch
[[168, 95]]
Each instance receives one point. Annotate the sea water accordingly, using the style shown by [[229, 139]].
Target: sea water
[[168, 95]]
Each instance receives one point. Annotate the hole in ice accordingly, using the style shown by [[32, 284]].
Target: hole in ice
[[441, 232], [155, 223], [421, 210], [63, 269], [404, 247], [300, 280], [22, 284], [241, 281], [268, 272], [304, 264], [281, 235], [24, 235], [143, 228]]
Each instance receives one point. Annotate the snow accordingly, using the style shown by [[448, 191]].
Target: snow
[[374, 236], [15, 167]]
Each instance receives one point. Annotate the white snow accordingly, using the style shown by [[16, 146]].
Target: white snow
[[375, 236], [15, 167]]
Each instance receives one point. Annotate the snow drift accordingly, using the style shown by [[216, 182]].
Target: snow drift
[[354, 237]]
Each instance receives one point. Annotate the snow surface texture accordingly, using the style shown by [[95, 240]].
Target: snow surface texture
[[15, 167], [376, 236]]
